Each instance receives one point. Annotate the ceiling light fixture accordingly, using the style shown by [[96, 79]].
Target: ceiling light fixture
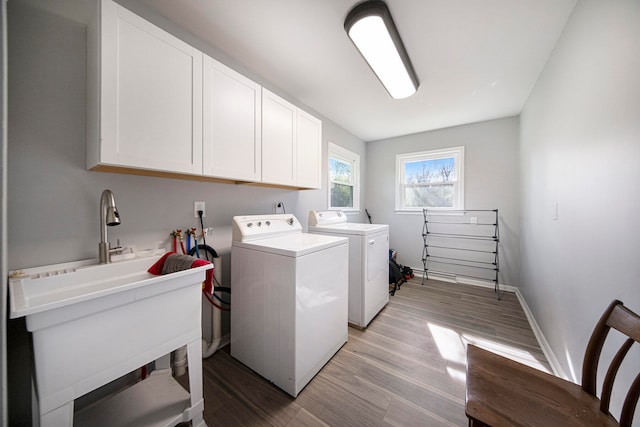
[[371, 28]]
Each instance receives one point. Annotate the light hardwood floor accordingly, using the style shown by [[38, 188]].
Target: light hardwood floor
[[406, 369]]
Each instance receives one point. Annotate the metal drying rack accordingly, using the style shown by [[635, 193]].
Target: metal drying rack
[[461, 243]]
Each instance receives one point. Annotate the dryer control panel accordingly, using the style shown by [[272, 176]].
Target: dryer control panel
[[320, 218], [253, 227]]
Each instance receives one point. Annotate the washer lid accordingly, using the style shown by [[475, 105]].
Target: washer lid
[[349, 228], [293, 245]]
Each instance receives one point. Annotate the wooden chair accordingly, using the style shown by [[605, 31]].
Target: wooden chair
[[501, 392]]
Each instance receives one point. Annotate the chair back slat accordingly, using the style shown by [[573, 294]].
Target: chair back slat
[[607, 386], [630, 403], [594, 348]]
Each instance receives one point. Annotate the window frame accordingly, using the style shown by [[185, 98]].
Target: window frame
[[342, 154], [458, 188]]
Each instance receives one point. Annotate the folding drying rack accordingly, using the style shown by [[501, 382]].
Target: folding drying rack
[[461, 243]]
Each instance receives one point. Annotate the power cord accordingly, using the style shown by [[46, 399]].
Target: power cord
[[279, 205], [204, 240]]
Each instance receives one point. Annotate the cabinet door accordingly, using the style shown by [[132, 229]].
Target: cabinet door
[[309, 151], [232, 132], [150, 96], [278, 140]]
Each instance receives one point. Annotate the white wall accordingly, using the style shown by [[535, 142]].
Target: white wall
[[491, 181], [53, 201], [580, 147]]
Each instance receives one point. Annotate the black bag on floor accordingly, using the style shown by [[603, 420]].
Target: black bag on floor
[[395, 273], [407, 273]]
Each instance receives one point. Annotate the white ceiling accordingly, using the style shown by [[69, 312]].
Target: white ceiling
[[476, 60]]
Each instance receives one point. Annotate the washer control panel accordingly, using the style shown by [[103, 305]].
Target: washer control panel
[[252, 227]]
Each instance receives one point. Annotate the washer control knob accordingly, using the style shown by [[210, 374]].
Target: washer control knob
[[267, 223], [249, 225], [339, 213], [290, 221], [259, 224]]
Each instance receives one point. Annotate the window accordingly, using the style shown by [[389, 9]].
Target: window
[[344, 179], [430, 179]]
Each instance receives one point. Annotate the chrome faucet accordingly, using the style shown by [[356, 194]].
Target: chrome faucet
[[109, 216]]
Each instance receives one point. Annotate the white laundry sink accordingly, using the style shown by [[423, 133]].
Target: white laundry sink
[[41, 289], [93, 323]]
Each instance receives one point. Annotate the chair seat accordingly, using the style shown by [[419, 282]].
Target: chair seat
[[502, 392]]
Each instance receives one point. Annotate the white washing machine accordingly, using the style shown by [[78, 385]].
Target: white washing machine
[[290, 298], [368, 262]]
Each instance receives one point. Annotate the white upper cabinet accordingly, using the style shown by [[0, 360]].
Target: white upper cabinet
[[278, 140], [158, 106], [145, 95], [291, 144], [232, 124], [308, 151]]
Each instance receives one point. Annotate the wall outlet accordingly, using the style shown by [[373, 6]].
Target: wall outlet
[[199, 206]]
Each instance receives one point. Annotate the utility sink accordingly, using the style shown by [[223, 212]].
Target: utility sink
[[92, 323], [40, 289]]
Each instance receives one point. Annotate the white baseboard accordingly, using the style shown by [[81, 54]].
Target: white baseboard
[[467, 281], [558, 370], [542, 341]]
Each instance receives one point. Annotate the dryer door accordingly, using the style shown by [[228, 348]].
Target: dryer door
[[377, 255], [376, 292]]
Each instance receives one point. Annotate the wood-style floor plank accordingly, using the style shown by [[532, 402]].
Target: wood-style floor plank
[[406, 369]]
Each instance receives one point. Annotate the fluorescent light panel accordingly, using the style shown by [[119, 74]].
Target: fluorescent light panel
[[370, 27]]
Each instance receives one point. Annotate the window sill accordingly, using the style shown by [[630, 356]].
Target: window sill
[[348, 211], [419, 212]]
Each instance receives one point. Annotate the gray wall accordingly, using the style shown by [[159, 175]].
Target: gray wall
[[491, 181], [53, 201], [580, 148]]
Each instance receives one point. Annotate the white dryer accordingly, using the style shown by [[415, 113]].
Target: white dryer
[[368, 262], [289, 304]]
